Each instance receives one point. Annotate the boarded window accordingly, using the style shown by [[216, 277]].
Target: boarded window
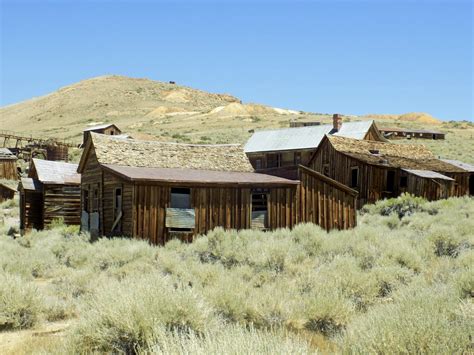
[[390, 181], [355, 176], [404, 181], [180, 198], [259, 208]]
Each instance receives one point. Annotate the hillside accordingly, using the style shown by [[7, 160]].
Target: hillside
[[150, 109]]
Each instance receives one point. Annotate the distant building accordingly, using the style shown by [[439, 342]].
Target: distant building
[[466, 167], [108, 129], [8, 168], [8, 188], [280, 151], [294, 124], [403, 133], [51, 191]]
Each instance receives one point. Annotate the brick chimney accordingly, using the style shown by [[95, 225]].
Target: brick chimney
[[336, 122]]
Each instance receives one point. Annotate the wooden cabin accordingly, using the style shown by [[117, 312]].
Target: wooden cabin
[[468, 168], [8, 188], [404, 133], [380, 170], [159, 191], [107, 129], [51, 191], [8, 168], [280, 151]]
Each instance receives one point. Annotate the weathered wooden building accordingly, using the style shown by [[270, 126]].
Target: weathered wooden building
[[159, 191], [107, 129], [468, 168], [8, 168], [405, 133], [51, 191], [380, 170], [8, 188], [280, 151]]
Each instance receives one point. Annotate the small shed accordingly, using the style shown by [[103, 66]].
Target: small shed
[[107, 129], [380, 170], [51, 191], [8, 168], [8, 188]]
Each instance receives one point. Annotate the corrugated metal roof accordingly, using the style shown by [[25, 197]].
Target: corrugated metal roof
[[302, 137], [460, 164], [6, 154], [428, 174], [55, 172], [30, 184], [198, 176], [101, 126]]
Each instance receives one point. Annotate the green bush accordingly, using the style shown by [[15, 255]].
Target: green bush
[[20, 303]]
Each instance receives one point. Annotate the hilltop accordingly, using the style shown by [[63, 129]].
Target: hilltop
[[154, 109]]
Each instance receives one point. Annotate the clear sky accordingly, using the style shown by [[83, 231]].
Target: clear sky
[[351, 57]]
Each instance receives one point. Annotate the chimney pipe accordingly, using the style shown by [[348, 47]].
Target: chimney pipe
[[336, 122]]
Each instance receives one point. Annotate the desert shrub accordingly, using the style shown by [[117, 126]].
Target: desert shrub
[[227, 340], [464, 282], [446, 242], [422, 319], [402, 206], [122, 316], [20, 304]]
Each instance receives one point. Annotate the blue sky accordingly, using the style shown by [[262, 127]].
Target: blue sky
[[352, 57]]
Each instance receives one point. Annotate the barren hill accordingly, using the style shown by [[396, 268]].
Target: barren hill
[[139, 106], [157, 110]]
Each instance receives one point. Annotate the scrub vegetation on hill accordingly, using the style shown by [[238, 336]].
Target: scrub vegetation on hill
[[401, 282]]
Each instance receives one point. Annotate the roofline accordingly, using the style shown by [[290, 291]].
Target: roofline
[[192, 183], [99, 126], [279, 150], [328, 180]]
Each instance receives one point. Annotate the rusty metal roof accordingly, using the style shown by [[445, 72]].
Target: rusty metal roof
[[198, 177], [55, 172]]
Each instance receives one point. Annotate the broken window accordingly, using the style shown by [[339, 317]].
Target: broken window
[[259, 208], [273, 160], [355, 176], [117, 226], [404, 181], [85, 200], [180, 198], [390, 181]]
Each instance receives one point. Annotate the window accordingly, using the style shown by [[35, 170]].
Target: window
[[355, 176], [403, 181], [180, 198], [258, 163], [297, 158], [95, 200], [118, 199], [112, 133], [117, 226], [85, 200], [390, 181], [273, 160]]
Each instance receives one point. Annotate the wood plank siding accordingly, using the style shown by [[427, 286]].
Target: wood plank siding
[[31, 210], [61, 202], [8, 169], [325, 202]]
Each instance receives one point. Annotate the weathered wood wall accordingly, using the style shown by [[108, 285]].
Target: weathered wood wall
[[227, 207], [31, 210], [325, 202], [62, 201], [92, 178], [8, 169], [111, 183]]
